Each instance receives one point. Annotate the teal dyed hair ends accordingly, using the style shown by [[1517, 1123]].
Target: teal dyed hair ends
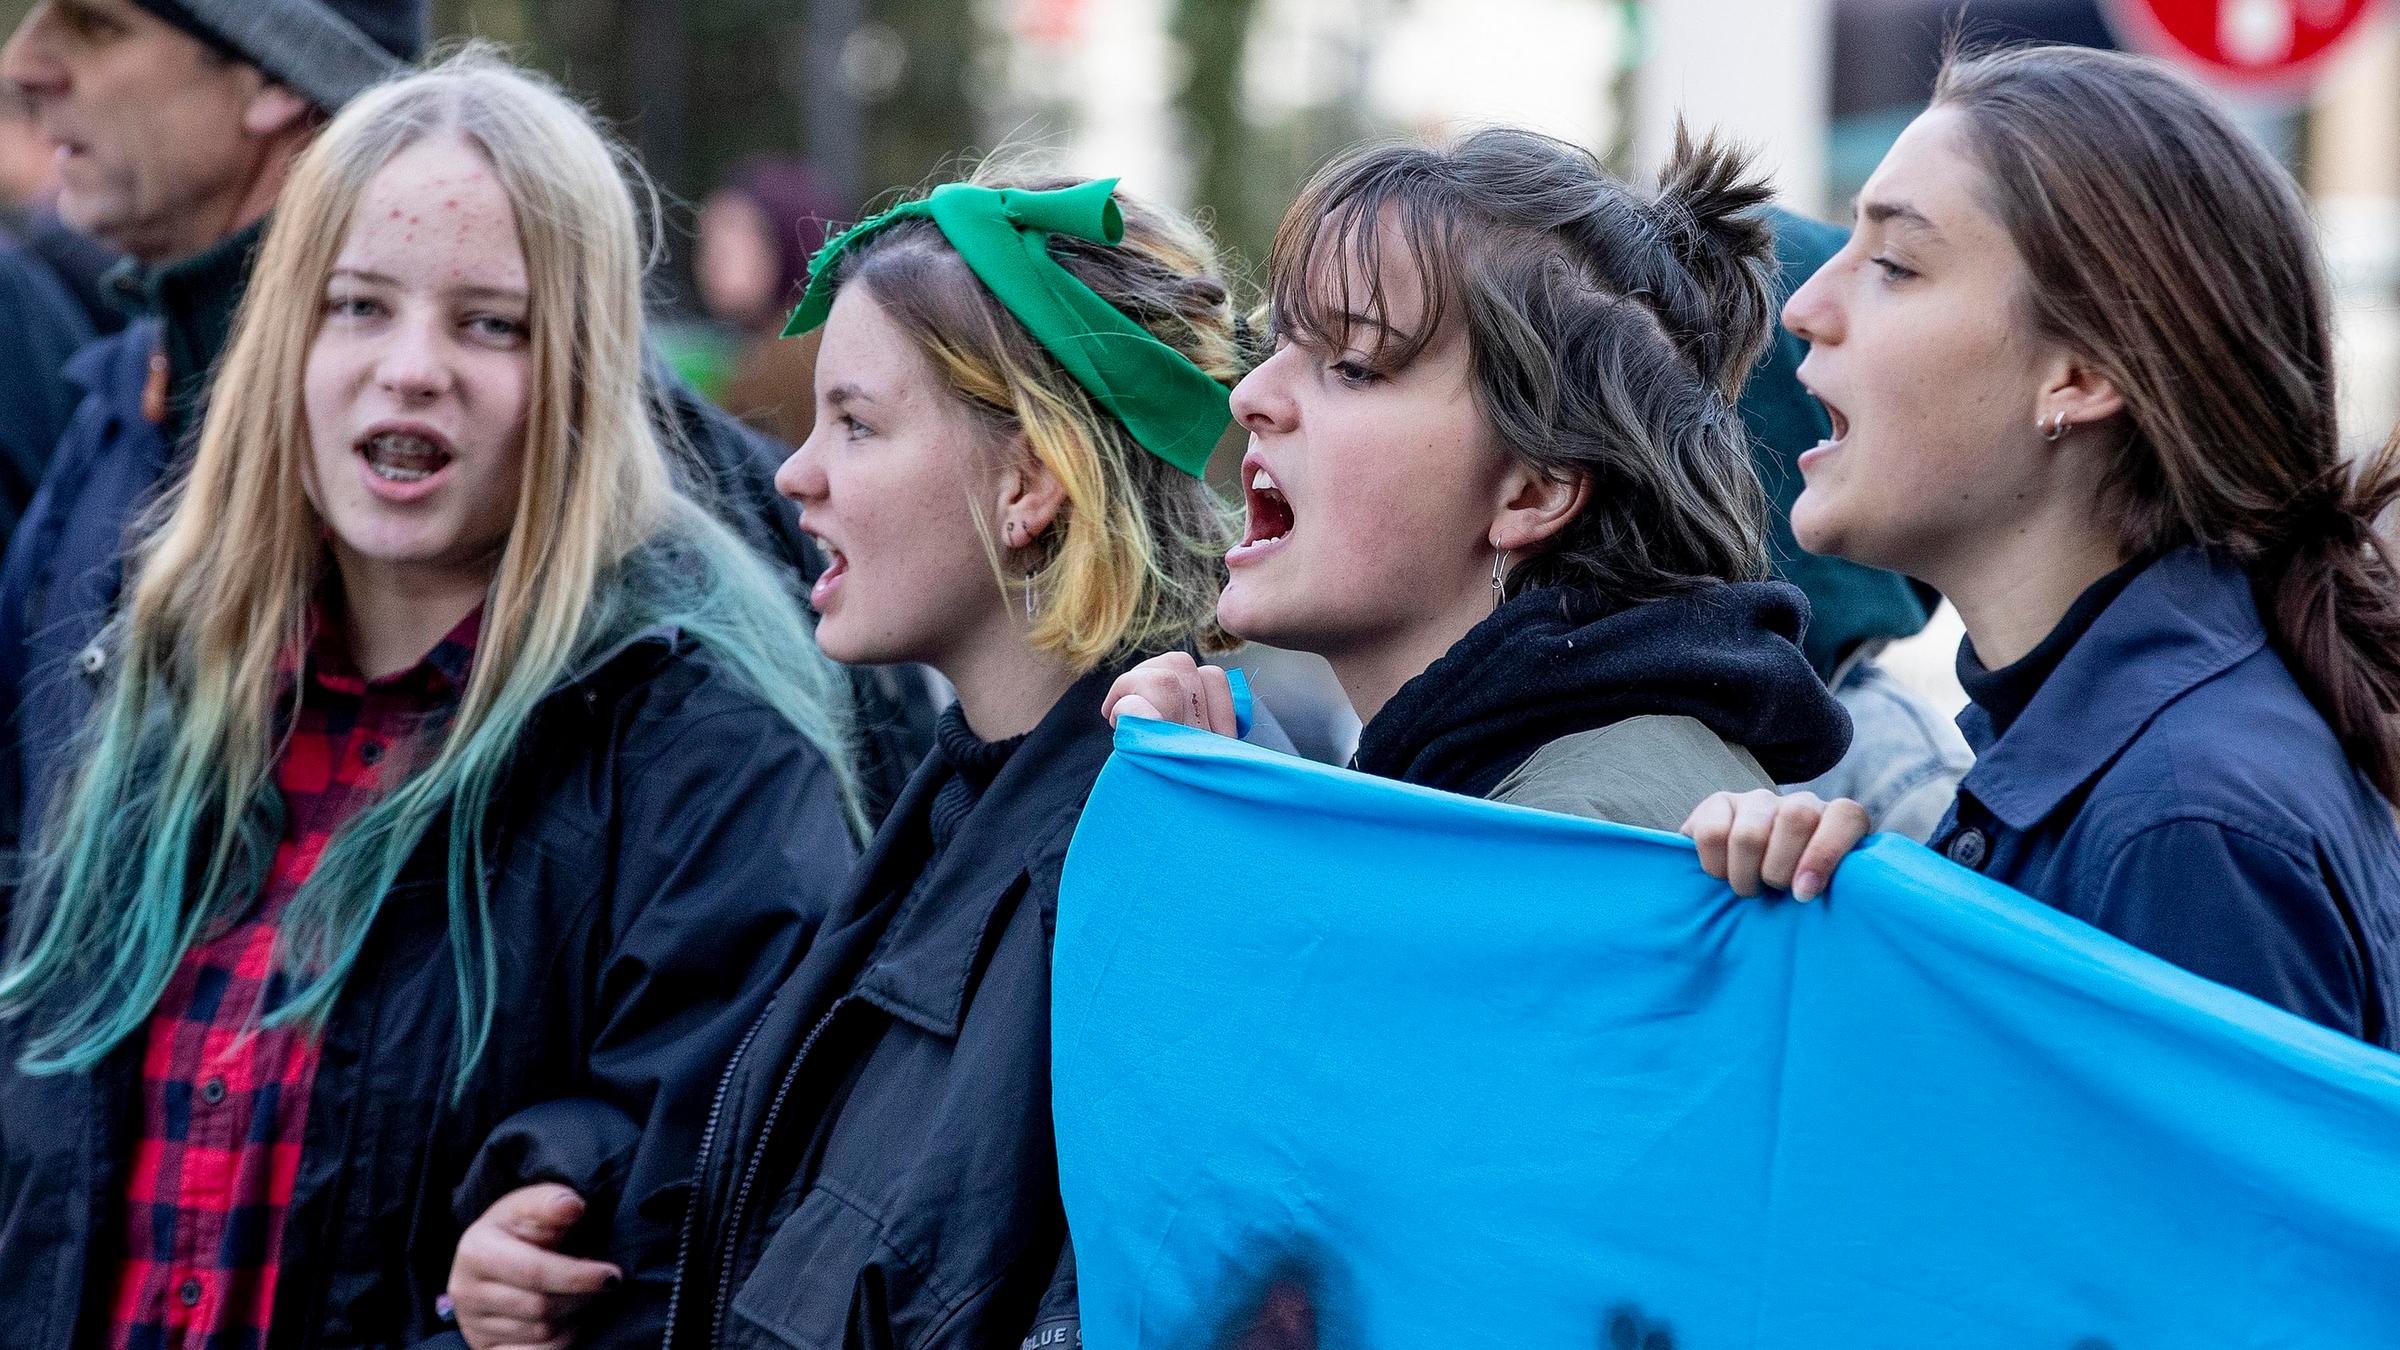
[[1171, 406], [154, 846]]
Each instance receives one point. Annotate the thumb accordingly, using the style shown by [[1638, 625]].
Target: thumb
[[539, 1214]]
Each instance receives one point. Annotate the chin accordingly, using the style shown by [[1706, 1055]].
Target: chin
[[1244, 614]]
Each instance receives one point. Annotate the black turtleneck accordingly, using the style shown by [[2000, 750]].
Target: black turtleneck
[[2006, 693], [1553, 661], [974, 763]]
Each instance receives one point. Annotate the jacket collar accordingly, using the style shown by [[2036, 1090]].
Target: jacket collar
[[2187, 619], [194, 300], [926, 962]]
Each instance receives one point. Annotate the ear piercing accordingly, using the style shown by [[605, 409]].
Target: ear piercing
[[2058, 428]]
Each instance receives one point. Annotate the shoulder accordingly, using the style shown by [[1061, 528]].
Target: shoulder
[[1802, 244], [40, 310], [1645, 771], [665, 700], [2245, 751]]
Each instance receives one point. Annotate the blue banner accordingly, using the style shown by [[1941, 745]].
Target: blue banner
[[1342, 1062]]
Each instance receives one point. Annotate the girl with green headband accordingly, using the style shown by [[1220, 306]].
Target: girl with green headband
[[1497, 478], [1017, 388]]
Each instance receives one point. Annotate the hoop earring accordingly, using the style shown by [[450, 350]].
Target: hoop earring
[[2058, 428], [1029, 595], [1499, 582]]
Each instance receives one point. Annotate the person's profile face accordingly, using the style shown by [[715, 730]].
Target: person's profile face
[[419, 377], [1919, 350], [887, 484], [1370, 490], [146, 125]]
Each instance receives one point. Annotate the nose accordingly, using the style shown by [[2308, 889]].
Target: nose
[[413, 366], [1813, 314], [1262, 402], [802, 475], [29, 62]]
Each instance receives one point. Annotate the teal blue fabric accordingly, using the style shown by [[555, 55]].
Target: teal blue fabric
[[1409, 1069]]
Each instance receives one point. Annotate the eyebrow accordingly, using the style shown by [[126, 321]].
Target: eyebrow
[[472, 292], [847, 393], [1896, 213]]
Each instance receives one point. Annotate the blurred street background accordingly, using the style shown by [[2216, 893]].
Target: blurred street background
[[765, 119]]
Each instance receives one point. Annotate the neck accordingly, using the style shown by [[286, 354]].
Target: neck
[[1005, 688], [396, 614], [1372, 671], [2012, 593], [207, 224]]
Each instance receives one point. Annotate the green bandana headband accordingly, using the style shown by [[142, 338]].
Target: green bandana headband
[[1174, 410]]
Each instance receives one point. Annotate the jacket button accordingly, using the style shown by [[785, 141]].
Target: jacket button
[[189, 1293], [213, 1091], [92, 660], [1968, 848]]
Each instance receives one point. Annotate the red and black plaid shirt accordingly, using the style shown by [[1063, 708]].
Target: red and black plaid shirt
[[224, 1100]]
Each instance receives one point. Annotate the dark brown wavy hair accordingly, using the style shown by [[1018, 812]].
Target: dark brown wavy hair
[[2170, 251], [1609, 329]]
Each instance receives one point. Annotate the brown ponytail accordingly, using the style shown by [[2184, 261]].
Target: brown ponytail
[[2173, 253]]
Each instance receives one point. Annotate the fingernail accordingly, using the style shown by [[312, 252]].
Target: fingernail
[[1806, 885]]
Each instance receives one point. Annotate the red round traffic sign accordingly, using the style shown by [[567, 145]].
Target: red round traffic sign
[[2252, 42]]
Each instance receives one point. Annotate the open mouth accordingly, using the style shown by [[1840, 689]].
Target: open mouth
[[403, 456], [1269, 517], [837, 566]]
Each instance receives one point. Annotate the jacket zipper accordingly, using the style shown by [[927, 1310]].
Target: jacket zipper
[[741, 1194], [708, 1140]]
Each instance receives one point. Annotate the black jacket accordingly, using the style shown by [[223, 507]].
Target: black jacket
[[880, 1169], [665, 845]]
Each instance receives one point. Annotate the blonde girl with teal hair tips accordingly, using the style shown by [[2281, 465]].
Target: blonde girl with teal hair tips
[[459, 786]]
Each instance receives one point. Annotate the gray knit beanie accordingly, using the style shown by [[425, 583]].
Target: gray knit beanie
[[326, 50]]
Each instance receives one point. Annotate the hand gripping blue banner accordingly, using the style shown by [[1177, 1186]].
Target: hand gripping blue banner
[[1345, 1063]]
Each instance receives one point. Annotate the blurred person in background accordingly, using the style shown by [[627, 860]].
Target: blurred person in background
[[176, 123], [42, 323], [2078, 362], [757, 234], [29, 211], [459, 786], [1905, 757], [1497, 479]]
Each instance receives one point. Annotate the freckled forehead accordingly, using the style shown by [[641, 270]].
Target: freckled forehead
[[437, 207]]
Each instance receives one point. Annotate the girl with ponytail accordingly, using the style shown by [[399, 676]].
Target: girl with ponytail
[[457, 786], [2079, 362], [1497, 478]]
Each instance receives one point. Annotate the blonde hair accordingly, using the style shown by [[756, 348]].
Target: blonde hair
[[603, 546], [1136, 558]]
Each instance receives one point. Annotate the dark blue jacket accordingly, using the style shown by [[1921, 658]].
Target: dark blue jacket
[[59, 580], [41, 326], [2172, 785]]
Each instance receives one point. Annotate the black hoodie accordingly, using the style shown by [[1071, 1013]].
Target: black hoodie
[[1553, 662]]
